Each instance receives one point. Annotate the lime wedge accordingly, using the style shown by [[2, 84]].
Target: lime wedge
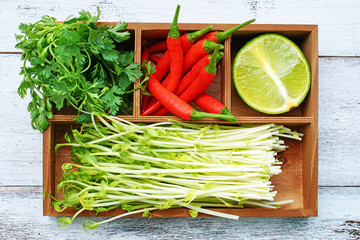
[[271, 74]]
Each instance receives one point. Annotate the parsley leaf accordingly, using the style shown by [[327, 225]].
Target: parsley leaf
[[113, 100], [117, 32], [76, 63], [82, 118]]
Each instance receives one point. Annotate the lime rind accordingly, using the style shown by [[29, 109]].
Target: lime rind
[[289, 103]]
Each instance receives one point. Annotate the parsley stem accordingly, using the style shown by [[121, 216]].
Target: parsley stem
[[80, 110], [38, 92], [89, 58], [52, 53], [112, 79], [83, 102], [138, 87], [106, 65], [72, 67]]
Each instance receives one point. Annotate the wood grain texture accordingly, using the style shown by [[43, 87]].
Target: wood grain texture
[[338, 26], [21, 218], [20, 145], [339, 121], [339, 124]]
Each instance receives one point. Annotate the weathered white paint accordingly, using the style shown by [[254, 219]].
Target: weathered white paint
[[20, 145], [338, 21], [21, 218], [339, 121]]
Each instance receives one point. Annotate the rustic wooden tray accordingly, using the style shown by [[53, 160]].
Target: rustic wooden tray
[[299, 179]]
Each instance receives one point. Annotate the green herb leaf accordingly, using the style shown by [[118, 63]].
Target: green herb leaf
[[113, 100], [82, 118], [193, 213], [76, 63]]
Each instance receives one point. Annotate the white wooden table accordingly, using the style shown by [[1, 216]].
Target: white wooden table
[[339, 122]]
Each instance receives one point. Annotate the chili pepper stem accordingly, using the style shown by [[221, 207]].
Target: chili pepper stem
[[211, 67], [221, 36], [195, 115], [174, 29], [226, 111], [209, 46], [195, 35]]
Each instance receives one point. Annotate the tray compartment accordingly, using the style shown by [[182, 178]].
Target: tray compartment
[[304, 37], [128, 45], [219, 88], [289, 183]]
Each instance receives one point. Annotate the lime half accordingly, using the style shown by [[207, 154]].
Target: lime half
[[271, 74]]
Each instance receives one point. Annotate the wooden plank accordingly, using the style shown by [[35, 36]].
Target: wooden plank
[[339, 124], [338, 34], [21, 218], [339, 121], [20, 145]]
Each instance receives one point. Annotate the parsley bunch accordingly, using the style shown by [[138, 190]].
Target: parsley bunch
[[76, 63]]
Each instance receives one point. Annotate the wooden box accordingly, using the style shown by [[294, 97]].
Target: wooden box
[[299, 178]]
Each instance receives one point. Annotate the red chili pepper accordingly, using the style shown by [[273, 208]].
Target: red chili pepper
[[145, 101], [203, 80], [163, 66], [175, 53], [197, 51], [218, 37], [176, 61], [145, 55], [146, 98], [210, 104], [154, 58], [187, 40], [194, 72], [194, 54], [190, 76], [158, 47], [153, 100], [178, 106]]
